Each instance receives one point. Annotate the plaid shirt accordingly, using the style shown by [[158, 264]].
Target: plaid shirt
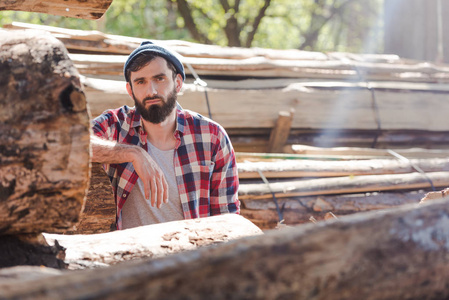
[[204, 161]]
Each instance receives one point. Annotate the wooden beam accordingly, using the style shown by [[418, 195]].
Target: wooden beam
[[365, 152], [91, 9], [343, 185], [317, 168], [280, 132]]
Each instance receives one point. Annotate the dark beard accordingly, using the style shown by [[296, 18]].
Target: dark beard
[[156, 113]]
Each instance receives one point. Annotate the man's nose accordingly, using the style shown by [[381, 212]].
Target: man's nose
[[152, 89]]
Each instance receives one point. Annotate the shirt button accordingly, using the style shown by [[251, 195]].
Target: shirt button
[[124, 195]]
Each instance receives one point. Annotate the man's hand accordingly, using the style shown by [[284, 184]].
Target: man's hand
[[153, 178], [104, 151]]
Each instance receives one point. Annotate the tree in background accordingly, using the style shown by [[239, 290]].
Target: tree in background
[[315, 25]]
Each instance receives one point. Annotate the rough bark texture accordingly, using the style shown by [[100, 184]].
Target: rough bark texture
[[100, 250], [264, 214], [395, 254], [152, 241], [84, 9], [98, 215], [44, 136]]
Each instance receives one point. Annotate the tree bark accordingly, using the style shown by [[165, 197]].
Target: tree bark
[[395, 254], [91, 9], [101, 250], [299, 210], [151, 241], [44, 136], [99, 211]]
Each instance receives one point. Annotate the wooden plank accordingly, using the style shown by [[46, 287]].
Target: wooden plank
[[343, 185], [280, 132], [315, 108], [91, 9], [315, 168], [366, 152]]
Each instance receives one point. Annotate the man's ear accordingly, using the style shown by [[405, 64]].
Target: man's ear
[[129, 89], [178, 82]]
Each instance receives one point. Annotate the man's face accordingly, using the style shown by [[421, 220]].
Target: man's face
[[154, 91]]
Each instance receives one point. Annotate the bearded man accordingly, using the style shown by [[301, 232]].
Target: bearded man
[[165, 163]]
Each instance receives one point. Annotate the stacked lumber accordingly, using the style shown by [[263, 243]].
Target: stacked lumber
[[284, 98], [337, 98], [315, 183]]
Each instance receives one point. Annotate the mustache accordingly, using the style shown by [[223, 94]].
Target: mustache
[[152, 98]]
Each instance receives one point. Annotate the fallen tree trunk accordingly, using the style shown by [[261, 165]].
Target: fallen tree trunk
[[343, 185], [315, 168], [100, 250], [44, 136], [394, 254], [90, 9], [151, 241]]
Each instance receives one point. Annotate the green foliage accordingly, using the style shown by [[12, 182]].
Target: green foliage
[[318, 25]]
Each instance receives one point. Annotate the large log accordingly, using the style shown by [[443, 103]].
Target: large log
[[44, 136], [100, 250], [151, 241], [90, 9], [394, 254]]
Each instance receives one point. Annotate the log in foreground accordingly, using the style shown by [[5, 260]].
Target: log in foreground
[[152, 241], [394, 254], [90, 9], [44, 136]]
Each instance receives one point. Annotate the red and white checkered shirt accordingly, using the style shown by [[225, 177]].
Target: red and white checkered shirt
[[204, 161]]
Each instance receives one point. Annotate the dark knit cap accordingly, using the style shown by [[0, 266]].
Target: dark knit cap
[[149, 47]]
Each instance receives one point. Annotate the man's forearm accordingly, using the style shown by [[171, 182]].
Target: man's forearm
[[105, 151]]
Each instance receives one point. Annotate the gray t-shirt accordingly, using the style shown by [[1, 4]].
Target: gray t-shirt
[[137, 210]]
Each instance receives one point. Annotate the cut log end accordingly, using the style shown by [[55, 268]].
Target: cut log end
[[44, 139]]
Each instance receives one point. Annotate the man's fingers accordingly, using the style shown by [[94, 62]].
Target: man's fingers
[[160, 192], [165, 189], [153, 187], [146, 188], [165, 185]]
